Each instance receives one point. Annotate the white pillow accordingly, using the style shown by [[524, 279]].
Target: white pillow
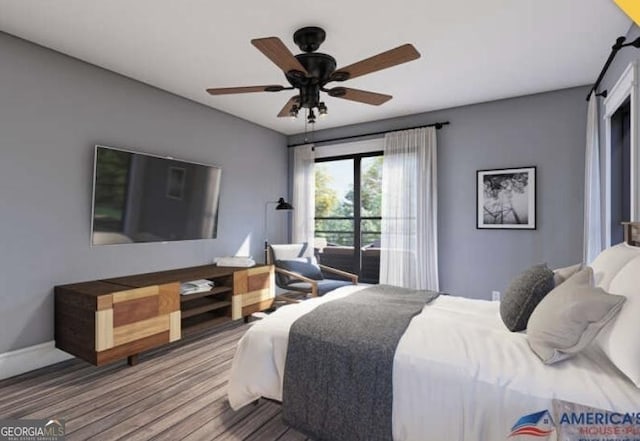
[[568, 318], [610, 261], [562, 274], [291, 251], [619, 339]]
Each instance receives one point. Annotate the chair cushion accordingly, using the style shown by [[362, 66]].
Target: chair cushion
[[303, 266], [568, 318], [324, 286], [290, 251], [523, 295]]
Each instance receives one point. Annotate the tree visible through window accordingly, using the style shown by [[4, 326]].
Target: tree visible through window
[[347, 212]]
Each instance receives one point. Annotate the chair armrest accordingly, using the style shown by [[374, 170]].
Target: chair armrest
[[351, 276], [314, 283]]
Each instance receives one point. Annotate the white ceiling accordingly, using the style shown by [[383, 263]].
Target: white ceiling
[[472, 51]]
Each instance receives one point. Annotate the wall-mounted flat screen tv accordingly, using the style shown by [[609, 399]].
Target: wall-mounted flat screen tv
[[139, 197]]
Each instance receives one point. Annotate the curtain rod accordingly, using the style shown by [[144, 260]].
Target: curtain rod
[[437, 125], [614, 50]]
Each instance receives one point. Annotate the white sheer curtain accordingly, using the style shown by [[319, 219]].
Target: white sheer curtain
[[304, 193], [409, 242], [593, 224]]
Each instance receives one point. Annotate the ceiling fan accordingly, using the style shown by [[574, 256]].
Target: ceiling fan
[[311, 71]]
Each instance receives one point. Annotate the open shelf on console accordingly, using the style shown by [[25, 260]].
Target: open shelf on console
[[206, 309], [214, 291], [202, 321], [203, 304]]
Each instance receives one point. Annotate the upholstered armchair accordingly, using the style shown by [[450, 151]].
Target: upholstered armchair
[[298, 270]]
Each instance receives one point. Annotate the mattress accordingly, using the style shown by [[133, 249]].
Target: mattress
[[458, 373]]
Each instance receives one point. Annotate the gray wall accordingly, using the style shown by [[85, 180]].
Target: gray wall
[[53, 110], [546, 130]]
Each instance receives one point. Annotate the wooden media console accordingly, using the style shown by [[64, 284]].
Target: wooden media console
[[102, 321]]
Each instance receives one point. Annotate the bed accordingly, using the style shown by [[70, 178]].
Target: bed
[[458, 373]]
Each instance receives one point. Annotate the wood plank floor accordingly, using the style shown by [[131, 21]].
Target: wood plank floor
[[177, 392]]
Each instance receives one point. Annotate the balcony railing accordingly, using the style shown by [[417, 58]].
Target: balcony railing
[[340, 252]]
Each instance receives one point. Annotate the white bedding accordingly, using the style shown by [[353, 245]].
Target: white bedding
[[459, 374]]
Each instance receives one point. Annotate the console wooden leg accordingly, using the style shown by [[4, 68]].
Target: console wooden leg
[[132, 360], [246, 318]]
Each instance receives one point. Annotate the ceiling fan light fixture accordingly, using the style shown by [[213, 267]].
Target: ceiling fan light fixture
[[322, 110], [311, 118], [293, 113]]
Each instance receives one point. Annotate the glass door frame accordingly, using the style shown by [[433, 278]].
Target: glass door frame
[[357, 206], [626, 87]]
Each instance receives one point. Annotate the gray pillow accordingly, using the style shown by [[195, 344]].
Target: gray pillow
[[523, 295], [570, 317]]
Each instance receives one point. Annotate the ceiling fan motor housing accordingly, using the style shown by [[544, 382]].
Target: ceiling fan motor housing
[[319, 67]]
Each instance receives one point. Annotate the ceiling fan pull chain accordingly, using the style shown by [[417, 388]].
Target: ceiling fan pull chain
[[306, 123], [313, 132]]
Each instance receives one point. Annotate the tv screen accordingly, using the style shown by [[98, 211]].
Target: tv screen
[[144, 198]]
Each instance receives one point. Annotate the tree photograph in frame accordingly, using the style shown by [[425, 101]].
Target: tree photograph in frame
[[506, 198]]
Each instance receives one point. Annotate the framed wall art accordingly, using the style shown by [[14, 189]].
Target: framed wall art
[[506, 198]]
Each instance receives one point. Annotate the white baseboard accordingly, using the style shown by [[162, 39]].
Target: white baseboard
[[27, 359]]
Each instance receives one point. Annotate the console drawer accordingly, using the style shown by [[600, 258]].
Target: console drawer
[[101, 322]]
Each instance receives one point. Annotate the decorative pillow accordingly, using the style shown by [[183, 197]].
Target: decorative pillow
[[619, 339], [610, 261], [570, 317], [523, 294], [562, 274], [303, 266]]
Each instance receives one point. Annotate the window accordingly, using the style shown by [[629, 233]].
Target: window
[[348, 213]]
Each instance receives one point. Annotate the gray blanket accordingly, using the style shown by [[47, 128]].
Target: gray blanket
[[338, 382]]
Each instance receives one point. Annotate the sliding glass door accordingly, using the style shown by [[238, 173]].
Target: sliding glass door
[[347, 213]]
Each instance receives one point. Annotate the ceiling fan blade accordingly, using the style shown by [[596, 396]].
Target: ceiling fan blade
[[361, 96], [275, 50], [286, 110], [248, 89], [393, 57]]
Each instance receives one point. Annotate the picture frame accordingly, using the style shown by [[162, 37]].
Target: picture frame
[[506, 199]]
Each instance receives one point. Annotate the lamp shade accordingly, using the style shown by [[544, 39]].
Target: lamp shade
[[283, 205]]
